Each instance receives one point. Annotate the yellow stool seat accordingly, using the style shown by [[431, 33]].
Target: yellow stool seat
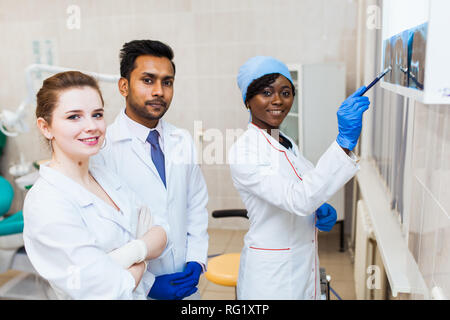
[[224, 269]]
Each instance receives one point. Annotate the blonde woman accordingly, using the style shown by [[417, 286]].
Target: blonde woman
[[84, 229]]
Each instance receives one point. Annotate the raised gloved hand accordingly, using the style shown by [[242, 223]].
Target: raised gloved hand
[[145, 221], [326, 217], [350, 119], [192, 273], [164, 287]]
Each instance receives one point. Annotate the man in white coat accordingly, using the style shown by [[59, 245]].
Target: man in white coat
[[157, 160]]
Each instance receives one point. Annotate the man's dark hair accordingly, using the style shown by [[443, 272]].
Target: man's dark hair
[[258, 85], [133, 49]]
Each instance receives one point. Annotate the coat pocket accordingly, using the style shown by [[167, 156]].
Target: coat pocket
[[266, 274]]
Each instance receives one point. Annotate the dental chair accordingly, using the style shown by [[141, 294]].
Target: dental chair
[[26, 283], [10, 227], [223, 269]]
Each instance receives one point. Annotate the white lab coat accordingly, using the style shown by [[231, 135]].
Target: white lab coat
[[281, 191], [69, 231], [182, 205]]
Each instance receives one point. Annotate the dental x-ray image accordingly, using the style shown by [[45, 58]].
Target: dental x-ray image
[[387, 60], [399, 59], [405, 53], [416, 56]]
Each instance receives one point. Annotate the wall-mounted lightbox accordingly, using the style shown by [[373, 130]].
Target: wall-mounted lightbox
[[416, 45]]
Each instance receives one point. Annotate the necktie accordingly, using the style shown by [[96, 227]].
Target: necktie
[[157, 154]]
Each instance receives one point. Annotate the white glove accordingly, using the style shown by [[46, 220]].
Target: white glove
[[133, 252], [145, 221]]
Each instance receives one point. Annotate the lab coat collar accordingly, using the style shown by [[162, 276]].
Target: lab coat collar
[[62, 182], [82, 196], [171, 136], [272, 141], [119, 129], [110, 183]]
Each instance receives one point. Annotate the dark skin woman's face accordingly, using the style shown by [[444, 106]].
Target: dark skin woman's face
[[272, 104]]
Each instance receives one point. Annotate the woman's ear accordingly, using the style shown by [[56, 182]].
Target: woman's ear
[[123, 87], [44, 128]]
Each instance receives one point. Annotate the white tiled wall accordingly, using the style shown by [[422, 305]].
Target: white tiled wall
[[427, 221], [429, 230], [211, 39]]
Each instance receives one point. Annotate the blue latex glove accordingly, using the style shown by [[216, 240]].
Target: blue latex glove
[[350, 119], [183, 292], [188, 283], [164, 287], [326, 217]]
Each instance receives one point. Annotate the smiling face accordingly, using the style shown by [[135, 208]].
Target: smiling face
[[272, 104], [149, 90], [77, 128]]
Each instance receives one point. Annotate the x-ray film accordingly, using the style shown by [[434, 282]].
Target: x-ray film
[[416, 56], [405, 53]]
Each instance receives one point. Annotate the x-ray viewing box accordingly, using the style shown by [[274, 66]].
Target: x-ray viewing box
[[415, 42]]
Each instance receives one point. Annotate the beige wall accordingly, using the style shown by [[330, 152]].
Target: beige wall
[[211, 39]]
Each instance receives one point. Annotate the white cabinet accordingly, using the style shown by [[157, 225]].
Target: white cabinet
[[312, 121]]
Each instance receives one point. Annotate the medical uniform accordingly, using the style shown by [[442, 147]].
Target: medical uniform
[[181, 203], [68, 232], [281, 191]]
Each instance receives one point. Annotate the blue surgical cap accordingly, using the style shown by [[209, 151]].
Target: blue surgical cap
[[257, 67]]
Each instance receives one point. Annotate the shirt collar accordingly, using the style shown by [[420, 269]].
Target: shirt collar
[[140, 131]]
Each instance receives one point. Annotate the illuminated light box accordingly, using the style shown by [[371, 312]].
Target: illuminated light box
[[416, 45]]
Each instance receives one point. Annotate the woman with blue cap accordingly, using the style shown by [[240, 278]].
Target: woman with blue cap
[[283, 192]]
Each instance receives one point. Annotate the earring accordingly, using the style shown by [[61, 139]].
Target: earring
[[104, 144]]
